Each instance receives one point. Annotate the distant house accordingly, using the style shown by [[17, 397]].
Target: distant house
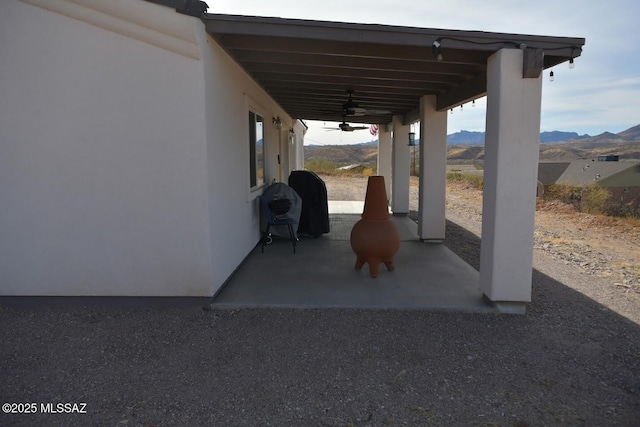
[[620, 177], [548, 174]]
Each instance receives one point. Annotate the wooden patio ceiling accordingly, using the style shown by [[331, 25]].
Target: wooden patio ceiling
[[308, 66]]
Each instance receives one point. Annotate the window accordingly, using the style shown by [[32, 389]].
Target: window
[[256, 150]]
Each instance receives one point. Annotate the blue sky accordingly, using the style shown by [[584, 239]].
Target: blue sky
[[601, 93]]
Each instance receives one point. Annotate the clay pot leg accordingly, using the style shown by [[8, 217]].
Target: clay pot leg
[[359, 264], [390, 265], [374, 264]]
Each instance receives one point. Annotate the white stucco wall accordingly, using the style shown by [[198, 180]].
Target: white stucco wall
[[123, 152], [233, 208], [102, 162]]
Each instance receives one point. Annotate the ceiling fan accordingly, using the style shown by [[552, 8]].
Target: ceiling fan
[[350, 108], [346, 127]]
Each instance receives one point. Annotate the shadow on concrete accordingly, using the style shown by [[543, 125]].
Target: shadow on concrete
[[321, 274]]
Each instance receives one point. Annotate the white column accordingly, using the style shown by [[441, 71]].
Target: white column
[[400, 167], [384, 157], [511, 167], [433, 170], [297, 156]]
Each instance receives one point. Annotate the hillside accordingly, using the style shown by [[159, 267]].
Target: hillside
[[631, 133], [626, 144], [342, 155]]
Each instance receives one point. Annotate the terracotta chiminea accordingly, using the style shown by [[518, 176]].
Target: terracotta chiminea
[[374, 238]]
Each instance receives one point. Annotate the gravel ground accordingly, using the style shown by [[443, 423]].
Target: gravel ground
[[573, 359]]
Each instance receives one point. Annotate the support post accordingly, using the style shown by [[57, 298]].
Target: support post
[[384, 157], [510, 176], [433, 171], [400, 167]]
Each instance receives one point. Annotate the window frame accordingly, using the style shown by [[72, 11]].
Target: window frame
[[255, 180]]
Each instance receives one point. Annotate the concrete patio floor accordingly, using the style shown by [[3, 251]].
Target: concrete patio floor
[[321, 273]]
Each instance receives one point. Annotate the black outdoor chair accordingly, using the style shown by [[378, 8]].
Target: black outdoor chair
[[275, 212]]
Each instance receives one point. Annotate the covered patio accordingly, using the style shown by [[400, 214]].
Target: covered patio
[[397, 76], [322, 274]]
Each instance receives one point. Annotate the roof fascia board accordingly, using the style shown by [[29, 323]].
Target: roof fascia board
[[385, 34], [194, 8]]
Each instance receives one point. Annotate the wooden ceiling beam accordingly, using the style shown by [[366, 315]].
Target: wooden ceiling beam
[[420, 87], [362, 63], [317, 70]]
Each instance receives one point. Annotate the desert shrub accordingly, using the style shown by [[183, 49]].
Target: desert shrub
[[322, 166], [370, 169], [628, 210], [364, 170], [328, 167], [596, 200], [571, 194], [475, 179], [591, 199]]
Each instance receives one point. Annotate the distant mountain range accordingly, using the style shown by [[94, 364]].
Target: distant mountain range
[[477, 138], [560, 146], [466, 147], [630, 135]]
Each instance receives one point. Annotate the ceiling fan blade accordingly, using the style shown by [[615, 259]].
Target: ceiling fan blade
[[352, 128]]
